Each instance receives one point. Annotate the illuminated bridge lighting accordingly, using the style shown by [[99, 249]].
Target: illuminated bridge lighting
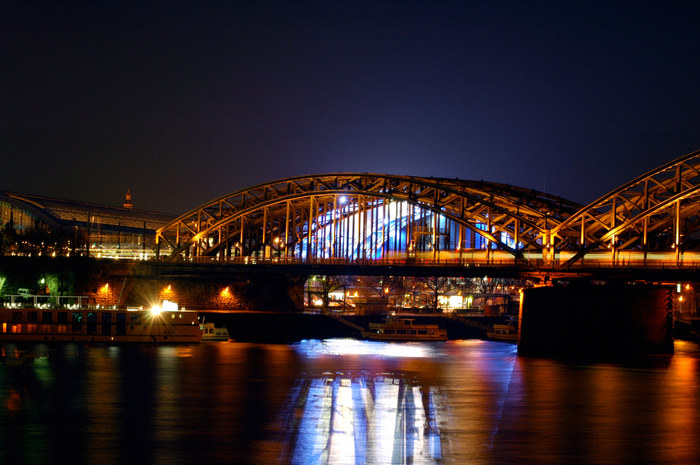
[[352, 217], [372, 217]]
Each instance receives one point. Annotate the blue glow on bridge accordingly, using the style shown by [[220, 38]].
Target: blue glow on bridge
[[387, 229]]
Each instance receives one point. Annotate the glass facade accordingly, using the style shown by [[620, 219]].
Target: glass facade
[[20, 219], [33, 225]]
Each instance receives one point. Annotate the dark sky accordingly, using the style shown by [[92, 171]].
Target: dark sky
[[184, 101]]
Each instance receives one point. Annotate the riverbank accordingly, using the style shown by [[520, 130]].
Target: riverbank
[[290, 327], [282, 327]]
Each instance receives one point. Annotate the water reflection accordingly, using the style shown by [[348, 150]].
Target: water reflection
[[314, 348], [368, 412], [343, 418], [394, 403], [345, 402]]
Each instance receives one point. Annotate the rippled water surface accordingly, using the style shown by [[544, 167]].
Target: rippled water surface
[[344, 401]]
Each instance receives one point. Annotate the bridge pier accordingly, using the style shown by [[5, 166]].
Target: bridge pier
[[590, 320]]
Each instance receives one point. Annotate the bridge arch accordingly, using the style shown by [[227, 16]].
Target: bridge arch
[[365, 215], [657, 211]]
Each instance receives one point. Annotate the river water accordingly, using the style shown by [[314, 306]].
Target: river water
[[343, 401]]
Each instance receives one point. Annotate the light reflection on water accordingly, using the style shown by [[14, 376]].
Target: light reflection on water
[[387, 409], [346, 402], [363, 419], [314, 348]]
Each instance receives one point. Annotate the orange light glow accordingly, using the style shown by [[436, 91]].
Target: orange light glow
[[167, 292], [104, 289]]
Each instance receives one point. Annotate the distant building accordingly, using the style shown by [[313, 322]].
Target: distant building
[[35, 225]]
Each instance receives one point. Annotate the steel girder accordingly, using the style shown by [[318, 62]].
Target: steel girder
[[269, 209], [652, 212]]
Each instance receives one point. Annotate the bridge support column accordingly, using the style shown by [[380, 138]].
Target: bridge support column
[[588, 320]]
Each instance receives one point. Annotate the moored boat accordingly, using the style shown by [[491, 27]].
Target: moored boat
[[396, 328], [507, 333], [210, 333], [82, 324]]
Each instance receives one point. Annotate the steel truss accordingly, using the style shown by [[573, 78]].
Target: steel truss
[[657, 211], [330, 216]]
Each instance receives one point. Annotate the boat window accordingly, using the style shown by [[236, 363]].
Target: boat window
[[47, 317], [422, 331], [16, 317], [121, 324], [62, 317], [32, 317], [77, 320], [91, 322], [106, 324]]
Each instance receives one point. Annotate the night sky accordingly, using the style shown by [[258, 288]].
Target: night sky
[[184, 101]]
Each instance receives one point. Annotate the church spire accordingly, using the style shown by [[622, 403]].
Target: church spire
[[127, 200]]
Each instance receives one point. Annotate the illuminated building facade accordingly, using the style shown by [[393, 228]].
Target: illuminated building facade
[[32, 225]]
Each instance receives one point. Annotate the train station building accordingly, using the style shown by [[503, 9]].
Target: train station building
[[32, 225]]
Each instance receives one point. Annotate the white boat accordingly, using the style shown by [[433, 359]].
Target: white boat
[[395, 328], [503, 333], [81, 324], [211, 333]]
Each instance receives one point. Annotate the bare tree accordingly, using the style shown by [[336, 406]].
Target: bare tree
[[383, 286], [437, 285], [324, 286], [487, 285]]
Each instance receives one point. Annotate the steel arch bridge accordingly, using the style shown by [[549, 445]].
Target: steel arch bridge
[[349, 217], [656, 212]]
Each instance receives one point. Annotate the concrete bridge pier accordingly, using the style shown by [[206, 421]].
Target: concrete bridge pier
[[596, 320]]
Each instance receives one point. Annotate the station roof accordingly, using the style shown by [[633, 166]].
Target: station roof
[[69, 212]]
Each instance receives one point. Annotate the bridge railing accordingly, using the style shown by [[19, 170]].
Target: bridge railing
[[358, 261], [538, 264]]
